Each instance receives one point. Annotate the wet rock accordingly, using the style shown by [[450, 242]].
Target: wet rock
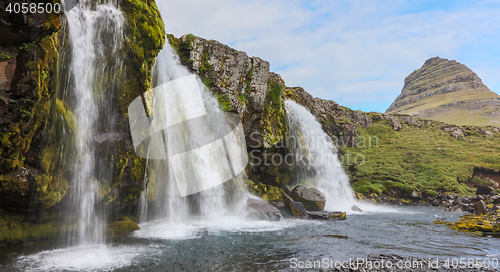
[[436, 202], [28, 243], [324, 215], [480, 207], [108, 137], [122, 227], [336, 236], [260, 209], [297, 208], [312, 198], [484, 190], [356, 208], [455, 208]]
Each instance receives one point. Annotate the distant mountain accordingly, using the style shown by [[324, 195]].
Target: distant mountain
[[447, 91]]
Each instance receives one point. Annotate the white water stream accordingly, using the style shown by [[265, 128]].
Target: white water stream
[[95, 37], [310, 141]]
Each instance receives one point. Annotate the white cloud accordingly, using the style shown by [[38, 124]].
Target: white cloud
[[356, 53]]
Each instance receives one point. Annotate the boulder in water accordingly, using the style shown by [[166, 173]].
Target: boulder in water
[[258, 208], [123, 227], [324, 215], [297, 208], [312, 198]]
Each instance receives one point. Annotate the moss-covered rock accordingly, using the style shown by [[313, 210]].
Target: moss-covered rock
[[14, 228], [122, 227], [267, 192], [476, 223], [37, 126]]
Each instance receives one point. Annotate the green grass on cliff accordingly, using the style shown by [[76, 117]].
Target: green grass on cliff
[[426, 159]]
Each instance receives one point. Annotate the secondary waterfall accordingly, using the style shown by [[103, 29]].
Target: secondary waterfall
[[175, 104], [95, 35], [319, 157]]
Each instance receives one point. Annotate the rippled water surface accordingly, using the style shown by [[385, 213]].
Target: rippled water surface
[[234, 244]]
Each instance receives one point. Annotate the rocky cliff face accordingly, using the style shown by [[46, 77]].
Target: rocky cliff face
[[447, 91], [394, 165], [28, 65], [244, 85], [34, 117]]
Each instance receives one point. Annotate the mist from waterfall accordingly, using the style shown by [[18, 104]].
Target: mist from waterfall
[[319, 157], [177, 104], [95, 32]]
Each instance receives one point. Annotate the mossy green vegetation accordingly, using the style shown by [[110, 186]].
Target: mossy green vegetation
[[265, 191], [476, 223], [273, 120], [122, 227], [224, 101], [145, 36], [14, 228], [426, 159], [37, 91], [5, 56]]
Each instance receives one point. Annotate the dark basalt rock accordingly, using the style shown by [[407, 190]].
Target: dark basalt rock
[[297, 209], [484, 190], [480, 207]]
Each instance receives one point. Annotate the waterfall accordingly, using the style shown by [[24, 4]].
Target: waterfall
[[95, 36], [176, 104], [317, 155]]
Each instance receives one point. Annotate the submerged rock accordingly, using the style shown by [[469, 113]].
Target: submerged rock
[[259, 209], [312, 198]]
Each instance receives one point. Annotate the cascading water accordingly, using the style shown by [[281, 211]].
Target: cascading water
[[95, 36], [177, 104], [318, 156]]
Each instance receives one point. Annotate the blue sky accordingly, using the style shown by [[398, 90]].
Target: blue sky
[[356, 53]]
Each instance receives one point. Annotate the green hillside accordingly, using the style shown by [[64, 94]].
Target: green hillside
[[423, 156]]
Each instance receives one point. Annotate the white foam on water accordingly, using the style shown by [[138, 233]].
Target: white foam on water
[[83, 258], [165, 229]]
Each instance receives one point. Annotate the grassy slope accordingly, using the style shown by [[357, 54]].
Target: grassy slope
[[468, 117], [426, 159], [432, 102]]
